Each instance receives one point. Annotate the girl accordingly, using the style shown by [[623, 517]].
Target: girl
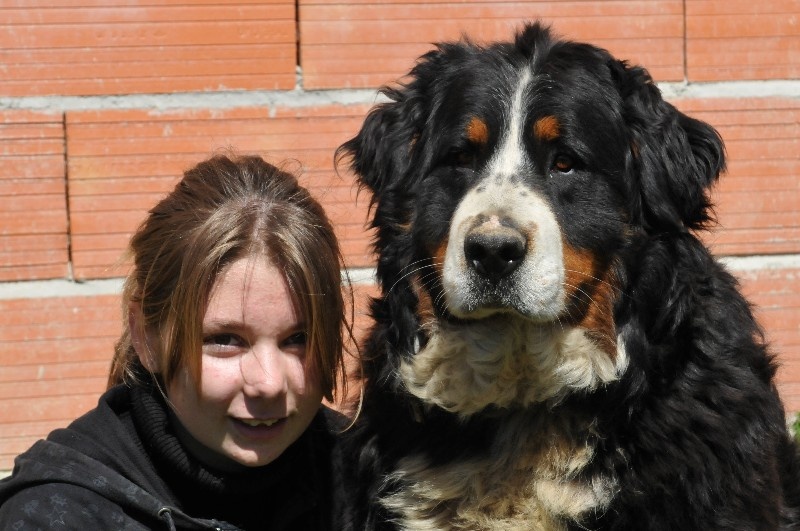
[[233, 336]]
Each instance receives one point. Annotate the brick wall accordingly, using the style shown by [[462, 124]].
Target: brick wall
[[103, 106]]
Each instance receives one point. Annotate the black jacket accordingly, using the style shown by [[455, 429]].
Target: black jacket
[[120, 466]]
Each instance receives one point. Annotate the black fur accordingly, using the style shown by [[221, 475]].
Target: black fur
[[692, 433]]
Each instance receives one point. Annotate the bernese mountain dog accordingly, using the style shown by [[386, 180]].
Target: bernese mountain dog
[[554, 347]]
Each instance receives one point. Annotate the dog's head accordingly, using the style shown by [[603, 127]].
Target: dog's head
[[507, 178]]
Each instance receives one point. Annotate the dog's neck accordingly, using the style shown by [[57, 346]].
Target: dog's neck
[[506, 362]]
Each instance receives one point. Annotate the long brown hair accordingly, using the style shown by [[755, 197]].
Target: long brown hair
[[222, 210]]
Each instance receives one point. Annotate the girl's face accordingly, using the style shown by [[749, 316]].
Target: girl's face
[[258, 393]]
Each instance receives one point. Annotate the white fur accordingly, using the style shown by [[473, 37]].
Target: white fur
[[530, 481], [510, 156], [536, 288], [505, 362]]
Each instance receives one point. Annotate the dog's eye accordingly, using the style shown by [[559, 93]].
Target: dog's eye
[[563, 164], [461, 158]]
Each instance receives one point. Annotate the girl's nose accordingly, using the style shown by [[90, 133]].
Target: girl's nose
[[263, 373]]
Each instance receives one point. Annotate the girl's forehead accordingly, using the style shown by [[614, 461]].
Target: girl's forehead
[[250, 290]]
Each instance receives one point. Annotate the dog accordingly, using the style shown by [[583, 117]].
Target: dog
[[554, 347]]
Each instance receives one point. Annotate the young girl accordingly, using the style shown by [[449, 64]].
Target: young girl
[[213, 418]]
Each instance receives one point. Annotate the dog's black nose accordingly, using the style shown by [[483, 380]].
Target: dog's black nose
[[496, 253]]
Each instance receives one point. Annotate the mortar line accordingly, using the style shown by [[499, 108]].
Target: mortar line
[[55, 288], [358, 276], [299, 98]]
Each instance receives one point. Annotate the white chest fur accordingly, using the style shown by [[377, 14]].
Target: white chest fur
[[531, 477], [506, 362]]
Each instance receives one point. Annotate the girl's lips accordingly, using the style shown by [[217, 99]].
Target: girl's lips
[[256, 422], [262, 429]]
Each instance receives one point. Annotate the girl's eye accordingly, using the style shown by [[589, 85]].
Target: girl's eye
[[563, 164], [299, 338], [223, 344], [223, 340]]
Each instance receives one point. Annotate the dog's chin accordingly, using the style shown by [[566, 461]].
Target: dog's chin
[[500, 311], [475, 300]]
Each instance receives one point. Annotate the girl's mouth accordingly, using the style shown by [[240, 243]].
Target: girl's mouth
[[254, 423], [259, 429]]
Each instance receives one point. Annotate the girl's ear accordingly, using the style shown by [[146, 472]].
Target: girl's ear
[[139, 338]]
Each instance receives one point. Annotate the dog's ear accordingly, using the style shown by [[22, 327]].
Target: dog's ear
[[386, 151], [674, 158], [381, 151]]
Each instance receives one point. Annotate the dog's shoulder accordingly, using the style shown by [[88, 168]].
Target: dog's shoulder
[[696, 422]]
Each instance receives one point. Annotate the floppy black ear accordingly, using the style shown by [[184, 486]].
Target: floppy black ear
[[380, 153], [675, 158], [386, 151]]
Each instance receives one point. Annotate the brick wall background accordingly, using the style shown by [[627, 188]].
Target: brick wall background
[[103, 106]]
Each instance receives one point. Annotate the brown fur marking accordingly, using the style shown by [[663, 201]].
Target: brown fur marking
[[547, 128], [478, 131], [590, 293]]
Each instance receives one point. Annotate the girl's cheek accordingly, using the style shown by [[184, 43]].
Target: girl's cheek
[[308, 376], [221, 377]]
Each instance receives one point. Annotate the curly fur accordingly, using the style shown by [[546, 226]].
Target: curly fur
[[504, 363], [554, 348]]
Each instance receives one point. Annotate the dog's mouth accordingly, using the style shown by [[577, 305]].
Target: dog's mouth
[[503, 255], [470, 297], [496, 268]]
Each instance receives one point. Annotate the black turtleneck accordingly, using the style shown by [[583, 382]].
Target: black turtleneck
[[289, 493]]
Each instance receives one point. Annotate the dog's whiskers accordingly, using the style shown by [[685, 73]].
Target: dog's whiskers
[[596, 279], [591, 300], [409, 273]]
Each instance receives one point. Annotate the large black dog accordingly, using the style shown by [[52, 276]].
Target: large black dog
[[554, 348]]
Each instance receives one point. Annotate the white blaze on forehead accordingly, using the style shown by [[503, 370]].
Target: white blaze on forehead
[[510, 155]]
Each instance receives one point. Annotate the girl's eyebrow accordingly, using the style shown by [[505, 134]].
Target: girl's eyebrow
[[227, 324]]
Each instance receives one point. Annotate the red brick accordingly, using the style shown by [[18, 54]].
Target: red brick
[[39, 257], [101, 48], [20, 186], [32, 188], [82, 329], [47, 412], [776, 295], [55, 354], [52, 372], [113, 180], [59, 350], [729, 40], [53, 388], [368, 44], [757, 198], [29, 430]]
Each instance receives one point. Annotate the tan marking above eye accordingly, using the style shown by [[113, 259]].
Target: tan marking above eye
[[477, 131], [547, 128]]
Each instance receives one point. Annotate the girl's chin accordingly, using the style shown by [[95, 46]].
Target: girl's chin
[[253, 459], [254, 446]]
